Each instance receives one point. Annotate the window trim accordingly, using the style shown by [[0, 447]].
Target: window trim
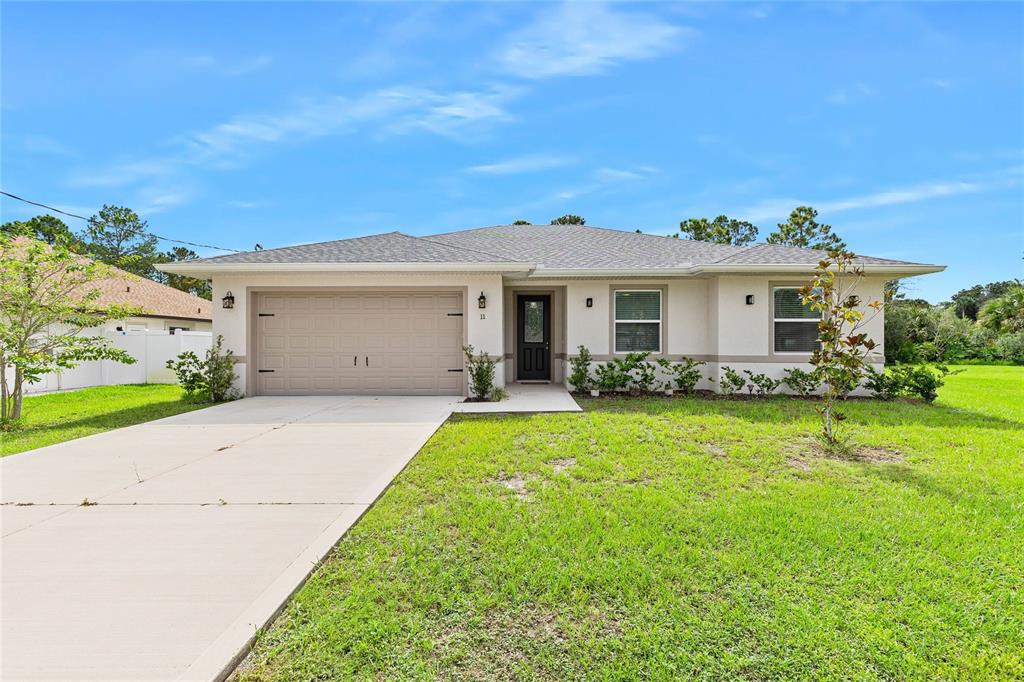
[[773, 286], [660, 321]]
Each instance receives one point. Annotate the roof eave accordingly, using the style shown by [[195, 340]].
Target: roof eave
[[893, 269], [200, 269]]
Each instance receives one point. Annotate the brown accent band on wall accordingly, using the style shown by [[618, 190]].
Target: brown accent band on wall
[[560, 356], [676, 357], [238, 359], [508, 356]]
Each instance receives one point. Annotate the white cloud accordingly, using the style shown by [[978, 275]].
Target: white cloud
[[582, 39], [780, 208], [44, 144], [228, 66], [611, 175], [245, 204], [521, 164]]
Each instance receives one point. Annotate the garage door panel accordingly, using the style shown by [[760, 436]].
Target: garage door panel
[[360, 342]]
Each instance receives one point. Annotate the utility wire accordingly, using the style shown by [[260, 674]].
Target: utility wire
[[75, 215]]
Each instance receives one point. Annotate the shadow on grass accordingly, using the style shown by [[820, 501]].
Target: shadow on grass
[[49, 433], [781, 410]]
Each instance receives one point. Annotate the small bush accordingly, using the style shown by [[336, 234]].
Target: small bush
[[802, 382], [209, 380], [580, 377], [642, 373], [610, 376], [921, 381], [685, 373], [764, 384], [731, 381], [480, 367]]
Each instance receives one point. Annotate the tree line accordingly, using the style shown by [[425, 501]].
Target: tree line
[[117, 236]]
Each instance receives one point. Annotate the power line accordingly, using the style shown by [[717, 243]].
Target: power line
[[75, 215]]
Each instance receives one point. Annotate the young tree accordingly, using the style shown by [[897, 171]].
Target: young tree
[[568, 219], [521, 222], [721, 230], [802, 229], [192, 285], [842, 358], [46, 302], [117, 236]]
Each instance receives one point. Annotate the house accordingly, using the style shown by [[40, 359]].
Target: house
[[389, 313], [164, 308]]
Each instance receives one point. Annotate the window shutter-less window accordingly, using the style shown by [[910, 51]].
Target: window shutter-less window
[[637, 321], [796, 325]]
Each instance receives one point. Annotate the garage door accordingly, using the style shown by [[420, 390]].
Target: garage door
[[340, 343]]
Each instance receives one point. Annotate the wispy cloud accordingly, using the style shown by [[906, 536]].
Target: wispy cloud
[[226, 66], [780, 208], [245, 204], [393, 111], [522, 164], [582, 39], [44, 144]]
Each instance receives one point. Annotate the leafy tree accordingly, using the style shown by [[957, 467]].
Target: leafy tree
[[968, 302], [46, 301], [45, 228], [803, 230], [522, 222], [569, 219], [721, 230], [192, 285], [117, 236], [841, 360], [1005, 313]]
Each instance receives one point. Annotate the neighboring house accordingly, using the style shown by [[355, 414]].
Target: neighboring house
[[390, 313], [164, 308]]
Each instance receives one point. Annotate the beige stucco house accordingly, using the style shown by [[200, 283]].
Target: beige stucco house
[[389, 313], [164, 308]]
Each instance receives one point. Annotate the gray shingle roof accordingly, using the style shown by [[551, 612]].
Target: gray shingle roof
[[548, 247], [390, 247]]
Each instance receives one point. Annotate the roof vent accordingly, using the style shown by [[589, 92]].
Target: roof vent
[[128, 288]]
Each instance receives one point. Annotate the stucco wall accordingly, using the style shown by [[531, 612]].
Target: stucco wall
[[483, 327]]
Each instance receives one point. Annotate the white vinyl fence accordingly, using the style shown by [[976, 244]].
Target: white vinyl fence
[[151, 350]]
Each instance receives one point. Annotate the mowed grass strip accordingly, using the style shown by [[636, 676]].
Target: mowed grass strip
[[57, 417], [684, 538]]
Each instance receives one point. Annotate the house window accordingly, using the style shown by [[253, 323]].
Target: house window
[[178, 329], [796, 325], [637, 320]]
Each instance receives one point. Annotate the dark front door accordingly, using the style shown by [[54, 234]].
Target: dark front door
[[533, 344]]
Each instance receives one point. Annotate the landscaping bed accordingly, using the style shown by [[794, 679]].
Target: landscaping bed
[[668, 538]]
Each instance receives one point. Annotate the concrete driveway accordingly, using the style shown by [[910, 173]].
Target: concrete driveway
[[154, 552]]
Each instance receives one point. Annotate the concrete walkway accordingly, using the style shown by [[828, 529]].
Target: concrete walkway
[[154, 552], [527, 398]]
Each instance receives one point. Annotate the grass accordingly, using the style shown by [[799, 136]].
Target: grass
[[57, 417], [681, 538]]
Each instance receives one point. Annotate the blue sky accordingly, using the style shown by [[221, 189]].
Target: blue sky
[[233, 124]]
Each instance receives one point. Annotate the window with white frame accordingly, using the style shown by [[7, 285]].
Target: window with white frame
[[795, 324], [637, 315]]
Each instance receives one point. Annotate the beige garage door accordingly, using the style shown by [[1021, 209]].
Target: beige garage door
[[339, 343]]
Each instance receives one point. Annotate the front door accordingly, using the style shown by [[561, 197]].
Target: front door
[[533, 345]]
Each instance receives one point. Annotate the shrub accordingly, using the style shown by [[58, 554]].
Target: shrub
[[764, 384], [731, 381], [685, 373], [802, 382], [642, 374], [610, 376], [481, 375], [922, 381], [580, 377], [211, 379], [1010, 347]]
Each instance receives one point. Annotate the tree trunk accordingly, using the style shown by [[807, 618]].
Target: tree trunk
[[19, 380], [4, 396]]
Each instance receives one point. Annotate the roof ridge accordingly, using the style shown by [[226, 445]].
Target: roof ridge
[[294, 246], [459, 248]]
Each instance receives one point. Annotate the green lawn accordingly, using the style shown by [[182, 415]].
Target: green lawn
[[57, 417], [678, 538]]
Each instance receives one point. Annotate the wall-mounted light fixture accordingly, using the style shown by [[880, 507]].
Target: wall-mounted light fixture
[[229, 300], [590, 303], [482, 301], [750, 299]]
